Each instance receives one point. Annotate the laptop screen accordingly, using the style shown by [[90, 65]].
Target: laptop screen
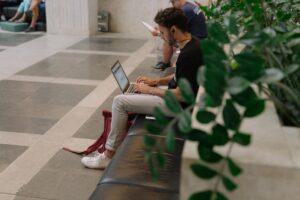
[[120, 76]]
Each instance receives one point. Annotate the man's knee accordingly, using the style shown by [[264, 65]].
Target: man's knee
[[119, 101]]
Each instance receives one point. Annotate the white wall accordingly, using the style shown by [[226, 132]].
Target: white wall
[[72, 17], [126, 15]]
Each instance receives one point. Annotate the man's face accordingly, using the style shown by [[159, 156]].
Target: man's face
[[166, 35], [175, 3]]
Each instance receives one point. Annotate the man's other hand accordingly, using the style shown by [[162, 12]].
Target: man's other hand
[[146, 80]]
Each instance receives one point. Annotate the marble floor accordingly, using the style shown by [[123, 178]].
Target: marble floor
[[53, 89]]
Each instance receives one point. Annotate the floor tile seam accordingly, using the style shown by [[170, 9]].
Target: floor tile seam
[[24, 61], [8, 196], [22, 33], [57, 142], [54, 80], [35, 198], [9, 138], [13, 138], [5, 47], [120, 35], [115, 53]]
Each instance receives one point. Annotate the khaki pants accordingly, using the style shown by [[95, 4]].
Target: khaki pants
[[122, 104]]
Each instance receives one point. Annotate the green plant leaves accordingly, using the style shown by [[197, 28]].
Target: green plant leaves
[[243, 139], [186, 91], [160, 116], [203, 171], [205, 117], [208, 155], [230, 23], [250, 65], [170, 139], [201, 76], [185, 121], [218, 33], [219, 135], [171, 102], [228, 184], [237, 84], [215, 86], [249, 59], [231, 116], [255, 108], [196, 135], [152, 168], [212, 49], [272, 75], [210, 101], [245, 97], [154, 127], [149, 141], [234, 169], [291, 69], [160, 158]]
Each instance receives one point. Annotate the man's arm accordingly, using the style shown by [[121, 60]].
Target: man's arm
[[161, 92], [153, 82], [165, 80]]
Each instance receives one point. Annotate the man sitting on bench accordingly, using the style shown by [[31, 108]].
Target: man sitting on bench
[[172, 25]]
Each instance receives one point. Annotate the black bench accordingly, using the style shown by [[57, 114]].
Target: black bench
[[127, 177]]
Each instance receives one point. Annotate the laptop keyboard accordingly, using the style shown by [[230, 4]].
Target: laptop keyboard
[[130, 89]]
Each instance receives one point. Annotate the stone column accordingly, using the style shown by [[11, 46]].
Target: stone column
[[72, 17]]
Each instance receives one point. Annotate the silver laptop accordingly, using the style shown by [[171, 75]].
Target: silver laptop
[[122, 79]]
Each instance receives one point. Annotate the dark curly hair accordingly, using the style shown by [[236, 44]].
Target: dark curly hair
[[172, 17]]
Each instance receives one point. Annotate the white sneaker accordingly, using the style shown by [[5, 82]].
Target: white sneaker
[[97, 161]]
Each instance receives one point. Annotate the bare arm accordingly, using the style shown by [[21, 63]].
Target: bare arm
[[146, 89], [153, 82]]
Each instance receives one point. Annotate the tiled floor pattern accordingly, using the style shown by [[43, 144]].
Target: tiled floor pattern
[[49, 101], [109, 44], [9, 39], [74, 65], [32, 107], [8, 154]]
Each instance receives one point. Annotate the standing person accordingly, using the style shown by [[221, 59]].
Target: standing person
[[172, 24], [34, 7], [196, 26], [22, 9]]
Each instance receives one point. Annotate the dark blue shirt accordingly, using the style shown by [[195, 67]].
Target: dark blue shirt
[[196, 20]]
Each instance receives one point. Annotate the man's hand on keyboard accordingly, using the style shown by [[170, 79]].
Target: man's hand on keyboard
[[143, 88], [146, 80]]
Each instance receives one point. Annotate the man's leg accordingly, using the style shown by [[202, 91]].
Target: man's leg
[[35, 16], [168, 53], [14, 17], [122, 104], [34, 7], [167, 56]]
